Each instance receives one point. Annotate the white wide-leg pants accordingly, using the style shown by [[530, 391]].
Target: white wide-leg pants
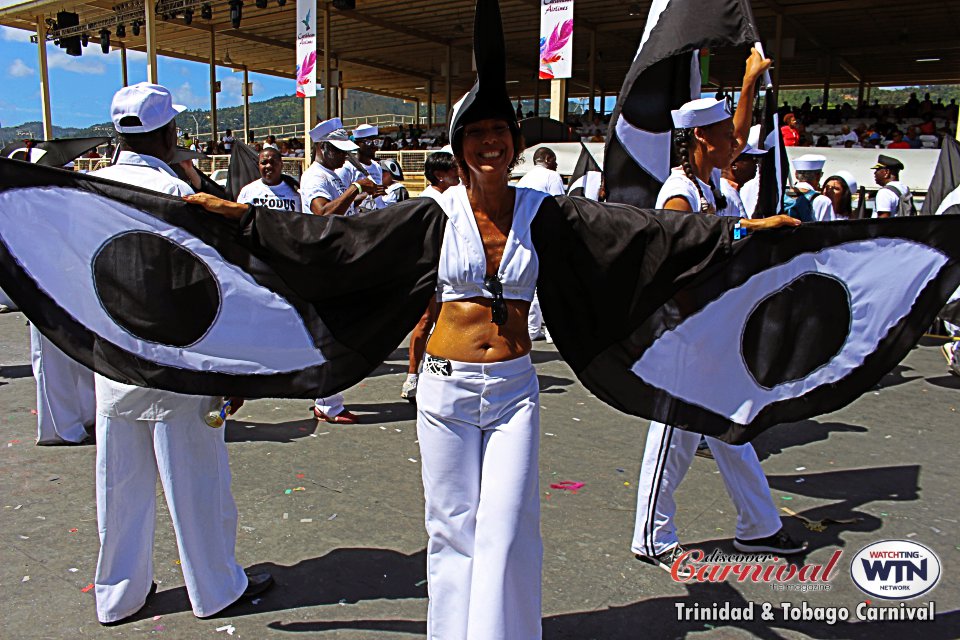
[[65, 393], [479, 432], [191, 460], [666, 459], [331, 406]]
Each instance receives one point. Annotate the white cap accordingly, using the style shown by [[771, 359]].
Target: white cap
[[750, 150], [332, 131], [365, 131], [151, 104], [847, 177], [447, 149], [700, 113], [809, 162]]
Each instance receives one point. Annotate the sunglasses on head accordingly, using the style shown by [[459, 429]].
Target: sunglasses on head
[[499, 308]]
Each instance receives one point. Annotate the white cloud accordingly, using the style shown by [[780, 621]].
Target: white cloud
[[184, 95], [19, 69], [15, 35], [58, 59]]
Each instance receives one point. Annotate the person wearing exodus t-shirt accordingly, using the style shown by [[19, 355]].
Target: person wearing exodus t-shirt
[[273, 190], [886, 173]]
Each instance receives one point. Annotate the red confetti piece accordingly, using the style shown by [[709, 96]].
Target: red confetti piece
[[568, 485], [87, 588], [14, 442], [33, 411], [299, 475], [74, 530]]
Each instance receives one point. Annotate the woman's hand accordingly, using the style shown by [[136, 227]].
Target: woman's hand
[[756, 66], [757, 224], [213, 204]]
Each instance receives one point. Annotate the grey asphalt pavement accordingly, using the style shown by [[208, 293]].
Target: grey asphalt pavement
[[336, 513]]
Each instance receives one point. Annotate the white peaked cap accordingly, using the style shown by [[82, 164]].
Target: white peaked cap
[[332, 131], [809, 162], [366, 131], [700, 113]]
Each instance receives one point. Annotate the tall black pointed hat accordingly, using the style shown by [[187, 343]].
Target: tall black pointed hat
[[488, 98]]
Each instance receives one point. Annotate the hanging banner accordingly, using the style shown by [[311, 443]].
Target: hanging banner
[[556, 39], [306, 48]]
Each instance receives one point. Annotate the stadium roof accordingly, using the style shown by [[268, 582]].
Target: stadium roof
[[398, 48]]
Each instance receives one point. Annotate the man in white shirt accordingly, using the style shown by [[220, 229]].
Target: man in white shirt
[[143, 433], [273, 190], [363, 136], [228, 140], [886, 173], [808, 170], [543, 176], [322, 191]]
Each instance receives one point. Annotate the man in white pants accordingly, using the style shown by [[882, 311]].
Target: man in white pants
[[65, 397], [666, 459], [143, 433]]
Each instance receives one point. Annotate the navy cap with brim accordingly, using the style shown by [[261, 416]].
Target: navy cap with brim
[[887, 162]]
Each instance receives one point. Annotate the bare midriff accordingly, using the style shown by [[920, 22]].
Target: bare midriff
[[465, 333]]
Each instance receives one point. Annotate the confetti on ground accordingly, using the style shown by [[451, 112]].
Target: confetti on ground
[[619, 470], [33, 411], [16, 508], [421, 583], [74, 530], [299, 488], [286, 516], [229, 628], [25, 579], [383, 428], [155, 618], [801, 469], [568, 485], [306, 519], [799, 481], [547, 433], [332, 517], [398, 430], [299, 476], [412, 459], [72, 569], [255, 601], [287, 491], [325, 433], [786, 498], [22, 537], [576, 419], [626, 484], [87, 588], [159, 627]]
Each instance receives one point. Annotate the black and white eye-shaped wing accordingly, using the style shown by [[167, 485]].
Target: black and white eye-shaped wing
[[148, 290], [662, 316]]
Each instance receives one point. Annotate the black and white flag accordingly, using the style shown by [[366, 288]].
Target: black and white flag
[[943, 194], [54, 153], [664, 317], [586, 177], [664, 75]]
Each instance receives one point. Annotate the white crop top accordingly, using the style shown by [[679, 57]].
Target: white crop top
[[463, 263]]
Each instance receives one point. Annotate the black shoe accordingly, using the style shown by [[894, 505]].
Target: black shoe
[[665, 561], [257, 583], [153, 590], [780, 542]]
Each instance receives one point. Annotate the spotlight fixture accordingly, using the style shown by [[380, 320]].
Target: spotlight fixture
[[136, 27], [236, 13], [206, 12], [121, 31], [105, 40], [84, 39], [261, 4], [635, 9], [280, 3], [187, 16]]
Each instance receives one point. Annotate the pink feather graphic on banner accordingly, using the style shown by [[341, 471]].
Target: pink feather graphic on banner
[[304, 69], [552, 47]]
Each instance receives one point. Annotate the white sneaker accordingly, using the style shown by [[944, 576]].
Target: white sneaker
[[546, 335], [409, 389]]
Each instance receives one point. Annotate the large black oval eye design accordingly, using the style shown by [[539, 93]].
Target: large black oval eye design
[[813, 310], [132, 274]]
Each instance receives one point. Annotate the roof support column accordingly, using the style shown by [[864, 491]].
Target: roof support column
[[213, 85], [536, 98], [860, 93], [44, 78], [123, 64], [150, 27], [826, 83], [593, 73], [327, 96], [416, 114], [449, 86], [246, 103], [603, 103], [430, 103], [558, 100]]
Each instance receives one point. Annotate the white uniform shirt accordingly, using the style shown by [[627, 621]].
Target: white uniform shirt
[[281, 197], [228, 143], [542, 179], [431, 192], [887, 200], [822, 205], [319, 182], [734, 208], [678, 184], [115, 399], [393, 193], [749, 194]]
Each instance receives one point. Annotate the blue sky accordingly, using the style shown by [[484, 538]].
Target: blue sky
[[81, 88]]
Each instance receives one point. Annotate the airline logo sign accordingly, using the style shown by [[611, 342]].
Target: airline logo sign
[[895, 569]]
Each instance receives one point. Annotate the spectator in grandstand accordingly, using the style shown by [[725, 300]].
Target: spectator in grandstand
[[897, 141], [789, 130], [893, 195], [927, 105], [228, 141], [912, 108], [284, 149], [928, 127], [847, 111], [847, 136], [805, 108], [823, 140], [839, 188], [273, 190], [883, 127], [912, 138], [271, 142], [834, 116]]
